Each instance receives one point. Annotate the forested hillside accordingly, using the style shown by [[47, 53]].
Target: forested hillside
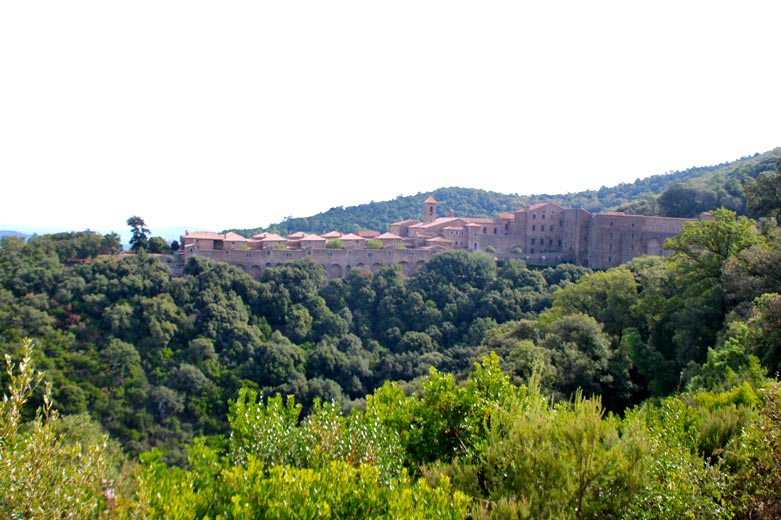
[[674, 194], [471, 389]]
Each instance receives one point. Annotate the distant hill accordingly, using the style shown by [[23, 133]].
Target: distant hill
[[5, 233], [722, 183]]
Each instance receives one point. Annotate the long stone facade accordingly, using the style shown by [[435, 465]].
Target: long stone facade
[[544, 234]]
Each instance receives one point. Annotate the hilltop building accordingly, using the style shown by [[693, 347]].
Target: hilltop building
[[544, 234]]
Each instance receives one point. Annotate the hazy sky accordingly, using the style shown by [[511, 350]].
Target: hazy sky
[[236, 114]]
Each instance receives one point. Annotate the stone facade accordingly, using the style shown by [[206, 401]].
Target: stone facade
[[544, 233]]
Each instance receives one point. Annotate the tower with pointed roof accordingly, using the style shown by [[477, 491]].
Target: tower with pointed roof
[[429, 210]]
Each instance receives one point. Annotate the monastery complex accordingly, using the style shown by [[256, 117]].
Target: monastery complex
[[542, 234]]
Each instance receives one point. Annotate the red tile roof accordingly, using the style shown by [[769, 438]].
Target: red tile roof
[[431, 200], [368, 234]]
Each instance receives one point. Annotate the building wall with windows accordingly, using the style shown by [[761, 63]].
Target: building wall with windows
[[543, 234]]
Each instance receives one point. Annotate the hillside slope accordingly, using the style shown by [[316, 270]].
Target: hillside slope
[[723, 183]]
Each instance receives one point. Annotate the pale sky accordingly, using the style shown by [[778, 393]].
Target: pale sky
[[214, 115]]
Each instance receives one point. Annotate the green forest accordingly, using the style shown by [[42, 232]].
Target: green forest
[[674, 194], [472, 389]]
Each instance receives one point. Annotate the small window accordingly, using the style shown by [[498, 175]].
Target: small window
[[551, 227], [611, 234], [559, 243], [610, 259], [248, 255], [534, 216], [494, 231], [550, 242], [542, 227], [534, 241], [532, 251], [411, 253], [330, 253], [370, 254], [543, 216], [611, 224], [485, 230], [534, 227]]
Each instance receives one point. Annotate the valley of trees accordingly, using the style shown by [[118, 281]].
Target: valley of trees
[[469, 390]]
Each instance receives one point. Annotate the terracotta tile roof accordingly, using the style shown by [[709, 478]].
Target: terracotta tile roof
[[296, 235], [208, 235], [234, 237], [331, 234], [260, 236], [438, 240], [389, 236], [431, 200], [482, 221], [507, 216], [437, 222], [453, 228], [351, 236], [541, 204], [409, 222], [312, 238], [272, 237], [368, 234]]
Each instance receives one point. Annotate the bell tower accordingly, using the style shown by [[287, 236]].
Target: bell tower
[[429, 210]]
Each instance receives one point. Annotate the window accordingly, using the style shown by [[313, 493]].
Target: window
[[248, 255], [610, 247], [633, 233], [533, 241], [611, 234], [485, 230], [543, 216], [561, 223], [494, 231], [370, 254], [610, 259], [559, 243], [542, 227], [534, 216], [288, 254], [534, 227], [330, 253], [551, 227], [550, 242]]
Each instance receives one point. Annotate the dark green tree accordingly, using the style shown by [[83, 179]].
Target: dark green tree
[[140, 238]]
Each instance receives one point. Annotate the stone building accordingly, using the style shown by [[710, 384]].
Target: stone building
[[544, 234]]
